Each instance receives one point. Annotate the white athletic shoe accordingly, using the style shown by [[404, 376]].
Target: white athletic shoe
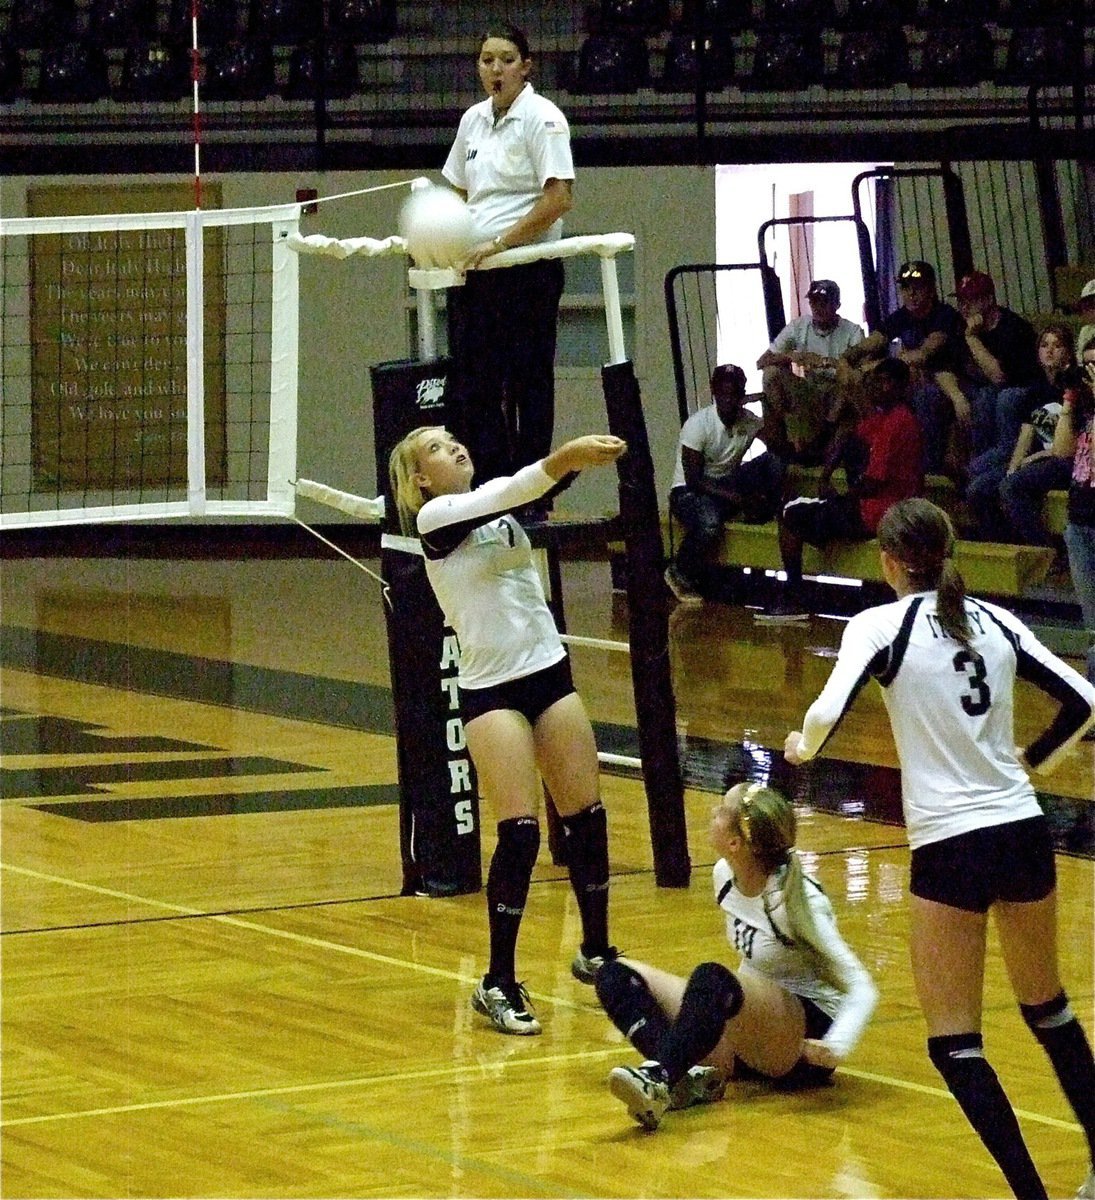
[[683, 589], [584, 968], [644, 1090], [1087, 1188], [508, 1013], [702, 1085]]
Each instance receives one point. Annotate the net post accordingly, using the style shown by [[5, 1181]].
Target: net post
[[195, 359], [648, 630], [610, 286], [284, 365], [439, 818]]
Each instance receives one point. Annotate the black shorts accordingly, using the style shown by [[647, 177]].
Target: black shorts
[[973, 870], [819, 522], [802, 1074], [531, 695]]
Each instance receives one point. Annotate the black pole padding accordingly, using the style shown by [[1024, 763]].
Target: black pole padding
[[648, 629], [438, 791]]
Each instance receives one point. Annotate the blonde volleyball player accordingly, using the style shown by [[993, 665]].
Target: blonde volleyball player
[[796, 1006], [947, 664], [522, 716]]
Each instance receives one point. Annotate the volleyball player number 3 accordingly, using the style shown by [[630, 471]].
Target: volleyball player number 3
[[977, 699]]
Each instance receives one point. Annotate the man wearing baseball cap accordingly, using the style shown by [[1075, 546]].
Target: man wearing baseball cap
[[928, 335], [802, 402], [999, 364]]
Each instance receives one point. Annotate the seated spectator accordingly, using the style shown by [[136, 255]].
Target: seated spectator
[[929, 333], [1005, 498], [884, 464], [998, 365], [1085, 307], [713, 482], [804, 409], [1074, 441]]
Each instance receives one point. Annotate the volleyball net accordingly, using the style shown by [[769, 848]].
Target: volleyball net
[[148, 365]]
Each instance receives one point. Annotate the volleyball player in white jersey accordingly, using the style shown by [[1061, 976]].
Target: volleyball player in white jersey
[[794, 1009], [947, 664], [521, 714]]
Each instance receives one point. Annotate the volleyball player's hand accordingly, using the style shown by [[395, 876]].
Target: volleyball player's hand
[[817, 1054], [593, 450], [792, 748]]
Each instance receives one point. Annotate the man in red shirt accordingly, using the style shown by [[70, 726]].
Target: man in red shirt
[[884, 462]]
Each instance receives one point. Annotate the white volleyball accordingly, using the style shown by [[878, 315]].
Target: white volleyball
[[437, 227]]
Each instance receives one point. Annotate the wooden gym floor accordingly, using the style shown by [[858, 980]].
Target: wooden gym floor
[[212, 988]]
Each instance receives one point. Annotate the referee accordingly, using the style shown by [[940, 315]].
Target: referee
[[511, 161]]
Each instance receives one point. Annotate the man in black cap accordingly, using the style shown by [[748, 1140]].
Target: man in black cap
[[802, 403], [928, 336]]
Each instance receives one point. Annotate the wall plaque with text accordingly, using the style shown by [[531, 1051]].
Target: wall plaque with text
[[108, 344]]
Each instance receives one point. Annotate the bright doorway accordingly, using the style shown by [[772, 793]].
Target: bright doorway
[[746, 197]]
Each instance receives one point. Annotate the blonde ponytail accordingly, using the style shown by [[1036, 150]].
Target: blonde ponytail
[[766, 820], [402, 468]]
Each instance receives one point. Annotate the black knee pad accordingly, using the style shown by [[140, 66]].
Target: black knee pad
[[586, 834], [617, 986], [519, 840], [718, 987], [512, 862], [630, 1005], [952, 1054], [1050, 1015]]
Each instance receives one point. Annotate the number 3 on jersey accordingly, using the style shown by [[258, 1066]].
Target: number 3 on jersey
[[978, 698]]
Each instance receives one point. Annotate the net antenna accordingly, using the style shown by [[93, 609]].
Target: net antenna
[[195, 79]]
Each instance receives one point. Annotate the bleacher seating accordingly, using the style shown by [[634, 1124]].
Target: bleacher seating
[[990, 568], [153, 71]]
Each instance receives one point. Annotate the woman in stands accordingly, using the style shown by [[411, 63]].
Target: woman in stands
[[1074, 439], [947, 664], [522, 716], [792, 1012], [1008, 482]]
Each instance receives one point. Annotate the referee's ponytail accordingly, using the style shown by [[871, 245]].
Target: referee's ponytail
[[920, 536]]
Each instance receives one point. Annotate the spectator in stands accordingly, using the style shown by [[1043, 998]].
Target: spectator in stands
[[804, 409], [998, 365], [1086, 309], [929, 333], [713, 482], [1026, 465], [884, 464], [1075, 439]]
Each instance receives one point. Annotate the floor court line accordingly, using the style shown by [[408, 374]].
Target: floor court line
[[460, 1069], [388, 960], [270, 931]]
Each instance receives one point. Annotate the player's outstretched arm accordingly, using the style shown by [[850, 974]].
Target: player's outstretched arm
[[593, 450]]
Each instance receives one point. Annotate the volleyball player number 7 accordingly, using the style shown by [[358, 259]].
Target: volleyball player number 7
[[522, 717]]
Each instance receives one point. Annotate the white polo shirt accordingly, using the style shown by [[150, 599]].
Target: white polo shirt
[[803, 334], [503, 167]]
